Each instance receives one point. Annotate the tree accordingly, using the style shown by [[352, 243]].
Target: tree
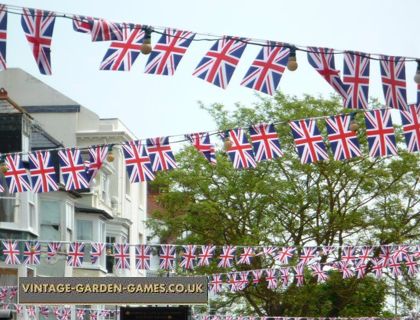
[[286, 203]]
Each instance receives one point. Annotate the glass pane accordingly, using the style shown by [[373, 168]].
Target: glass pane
[[7, 203], [84, 230], [50, 212]]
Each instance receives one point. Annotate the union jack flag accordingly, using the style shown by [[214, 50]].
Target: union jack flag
[[319, 272], [345, 268], [65, 314], [38, 26], [19, 308], [44, 311], [201, 142], [309, 143], [327, 250], [267, 69], [284, 276], [12, 293], [219, 63], [42, 171], [16, 176], [285, 254], [411, 127], [3, 294], [395, 267], [412, 266], [348, 254], [168, 52], [216, 283], [121, 55], [246, 255], [167, 257], [122, 255], [269, 251], [256, 276], [299, 276], [96, 251], [265, 142], [361, 270], [97, 156], [73, 169], [205, 255], [188, 257], [418, 94], [53, 248], [31, 312], [385, 255], [307, 255], [104, 30], [344, 143], [322, 59], [137, 162], [160, 154], [232, 282], [365, 255], [3, 36], [271, 278], [93, 315], [75, 254], [242, 279], [11, 251], [142, 257], [82, 24], [32, 253], [380, 133], [356, 80], [227, 256], [80, 314], [400, 253], [393, 82], [240, 152]]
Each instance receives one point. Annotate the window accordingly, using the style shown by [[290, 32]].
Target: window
[[104, 190], [50, 218], [127, 183], [7, 203], [84, 230]]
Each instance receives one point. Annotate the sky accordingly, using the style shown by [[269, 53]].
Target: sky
[[153, 105]]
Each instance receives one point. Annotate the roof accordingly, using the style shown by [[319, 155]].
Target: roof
[[40, 139], [70, 108], [87, 209]]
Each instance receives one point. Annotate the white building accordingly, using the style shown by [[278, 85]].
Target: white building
[[113, 210]]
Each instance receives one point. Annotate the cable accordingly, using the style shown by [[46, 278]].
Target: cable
[[17, 10]]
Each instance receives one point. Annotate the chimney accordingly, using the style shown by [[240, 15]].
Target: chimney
[[3, 93]]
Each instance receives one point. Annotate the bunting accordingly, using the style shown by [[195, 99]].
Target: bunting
[[201, 142], [137, 162], [356, 79], [393, 82], [380, 133], [411, 127], [17, 178], [73, 169], [240, 151], [42, 171], [3, 36]]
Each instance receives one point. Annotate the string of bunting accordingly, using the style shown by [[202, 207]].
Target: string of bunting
[[240, 317], [144, 158], [288, 263], [128, 40], [58, 312]]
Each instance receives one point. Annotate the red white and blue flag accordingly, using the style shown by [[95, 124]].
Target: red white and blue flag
[[219, 63], [356, 80], [246, 256], [285, 275], [38, 26], [271, 278], [142, 256], [80, 314], [205, 255], [216, 283], [17, 178], [32, 253], [3, 36], [42, 171], [400, 253], [411, 265], [345, 268], [168, 52], [201, 142], [240, 152], [285, 254], [97, 156], [75, 254], [44, 311], [267, 69], [309, 143], [121, 55], [307, 255], [66, 313], [322, 59], [96, 251], [160, 154], [227, 257], [122, 255], [365, 255], [318, 271], [256, 276], [11, 251], [348, 254], [31, 310], [52, 250], [299, 275], [73, 169], [411, 127], [104, 30], [167, 257], [137, 162], [188, 257], [265, 142], [393, 82], [395, 267], [344, 143], [380, 133], [82, 24]]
